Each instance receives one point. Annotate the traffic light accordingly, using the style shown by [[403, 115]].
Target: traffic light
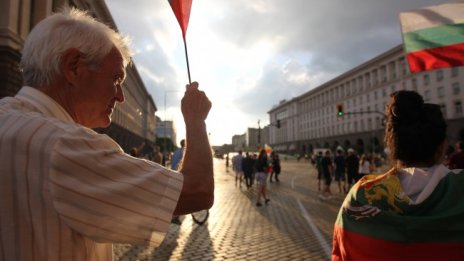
[[340, 110], [278, 124]]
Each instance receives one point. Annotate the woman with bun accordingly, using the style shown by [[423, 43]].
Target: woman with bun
[[415, 211]]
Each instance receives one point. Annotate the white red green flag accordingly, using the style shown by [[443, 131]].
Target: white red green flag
[[377, 222], [433, 37], [181, 10]]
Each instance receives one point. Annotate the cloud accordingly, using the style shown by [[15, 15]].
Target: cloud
[[249, 55]]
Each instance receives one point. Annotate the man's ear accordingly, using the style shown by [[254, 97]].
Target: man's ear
[[70, 64]]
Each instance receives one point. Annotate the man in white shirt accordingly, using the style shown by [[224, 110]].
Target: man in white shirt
[[67, 192]]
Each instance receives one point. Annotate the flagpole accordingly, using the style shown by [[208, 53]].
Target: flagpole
[[187, 60]]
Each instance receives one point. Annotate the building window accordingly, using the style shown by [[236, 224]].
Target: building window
[[458, 108], [456, 88], [414, 83], [426, 79], [439, 75], [393, 88], [454, 71], [440, 92], [443, 109], [427, 95]]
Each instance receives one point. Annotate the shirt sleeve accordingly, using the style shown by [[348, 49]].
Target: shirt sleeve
[[109, 196]]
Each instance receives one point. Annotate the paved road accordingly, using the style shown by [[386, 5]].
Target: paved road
[[296, 225]]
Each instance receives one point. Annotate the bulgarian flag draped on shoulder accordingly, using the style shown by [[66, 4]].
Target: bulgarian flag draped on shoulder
[[434, 37], [378, 221]]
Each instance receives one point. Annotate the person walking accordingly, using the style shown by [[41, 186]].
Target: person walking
[[339, 162], [352, 168], [247, 167], [415, 210], [237, 168], [364, 167], [178, 155], [276, 167], [262, 165], [318, 161], [327, 174]]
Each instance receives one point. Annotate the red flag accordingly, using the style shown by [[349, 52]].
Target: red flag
[[181, 9]]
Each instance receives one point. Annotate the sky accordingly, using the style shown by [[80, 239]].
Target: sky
[[249, 55]]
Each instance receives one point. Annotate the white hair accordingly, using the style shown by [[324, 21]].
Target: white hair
[[71, 28]]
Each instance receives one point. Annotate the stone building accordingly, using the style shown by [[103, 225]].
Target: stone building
[[310, 120]]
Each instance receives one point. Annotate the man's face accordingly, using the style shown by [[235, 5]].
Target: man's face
[[98, 91]]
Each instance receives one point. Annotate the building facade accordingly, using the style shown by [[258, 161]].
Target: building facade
[[133, 121], [310, 120]]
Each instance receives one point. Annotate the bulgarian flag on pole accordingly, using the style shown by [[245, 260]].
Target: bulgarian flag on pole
[[434, 37], [181, 10]]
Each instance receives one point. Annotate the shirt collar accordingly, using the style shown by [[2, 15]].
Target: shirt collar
[[43, 103]]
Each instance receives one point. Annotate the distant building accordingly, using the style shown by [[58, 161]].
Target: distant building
[[310, 120], [252, 139], [166, 129], [133, 121]]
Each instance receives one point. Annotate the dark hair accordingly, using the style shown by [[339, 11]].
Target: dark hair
[[414, 129]]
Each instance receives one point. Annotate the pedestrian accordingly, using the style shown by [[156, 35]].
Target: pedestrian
[[237, 168], [327, 174], [157, 155], [262, 164], [414, 211], [456, 160], [178, 155], [352, 168], [68, 192], [318, 160], [227, 162], [339, 162], [247, 167], [276, 167], [176, 161], [364, 167]]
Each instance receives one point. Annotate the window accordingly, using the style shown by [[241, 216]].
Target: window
[[443, 109], [427, 95], [440, 92], [393, 88], [439, 75], [414, 83], [458, 108], [454, 71], [426, 79], [456, 88]]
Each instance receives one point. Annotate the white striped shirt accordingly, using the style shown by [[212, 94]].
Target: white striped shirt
[[68, 193]]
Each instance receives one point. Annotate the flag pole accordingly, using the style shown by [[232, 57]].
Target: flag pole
[[187, 60]]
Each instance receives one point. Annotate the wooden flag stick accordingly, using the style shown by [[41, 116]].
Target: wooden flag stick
[[187, 59]]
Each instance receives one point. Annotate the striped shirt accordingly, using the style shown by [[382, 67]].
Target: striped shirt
[[68, 193]]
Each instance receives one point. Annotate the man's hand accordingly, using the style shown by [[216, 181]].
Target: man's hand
[[195, 105]]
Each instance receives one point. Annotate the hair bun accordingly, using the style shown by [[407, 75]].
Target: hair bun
[[408, 107]]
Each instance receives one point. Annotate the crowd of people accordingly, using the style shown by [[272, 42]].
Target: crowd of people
[[343, 168], [256, 167]]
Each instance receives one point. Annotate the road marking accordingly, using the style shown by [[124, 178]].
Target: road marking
[[325, 246]]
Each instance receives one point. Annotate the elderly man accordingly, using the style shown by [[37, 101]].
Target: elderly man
[[67, 192]]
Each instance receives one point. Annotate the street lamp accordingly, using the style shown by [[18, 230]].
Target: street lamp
[[165, 118]]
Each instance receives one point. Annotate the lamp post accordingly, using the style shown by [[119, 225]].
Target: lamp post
[[165, 118]]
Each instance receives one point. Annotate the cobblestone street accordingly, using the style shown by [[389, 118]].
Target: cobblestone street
[[296, 225]]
